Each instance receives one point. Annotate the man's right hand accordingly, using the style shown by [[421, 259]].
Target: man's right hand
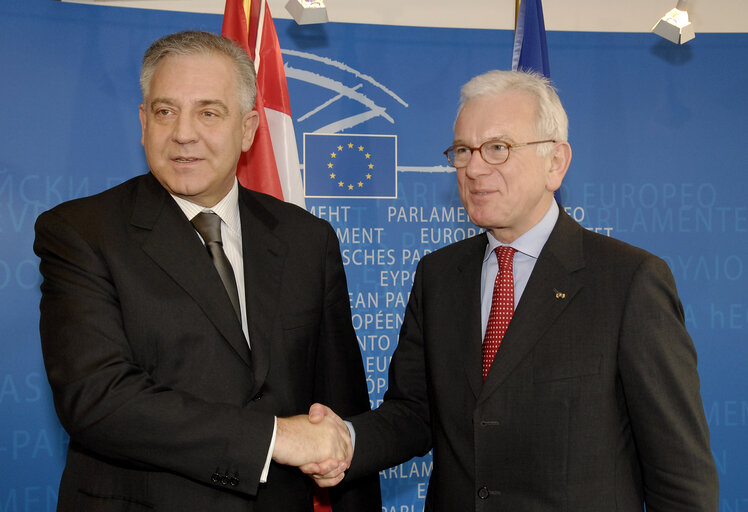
[[324, 473], [319, 441]]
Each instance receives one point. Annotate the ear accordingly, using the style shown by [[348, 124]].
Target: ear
[[143, 121], [250, 121], [559, 161]]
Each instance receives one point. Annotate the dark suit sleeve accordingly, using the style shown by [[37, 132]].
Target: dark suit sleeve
[[107, 401], [341, 381], [400, 428], [661, 385]]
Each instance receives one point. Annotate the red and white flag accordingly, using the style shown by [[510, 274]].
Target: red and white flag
[[272, 163]]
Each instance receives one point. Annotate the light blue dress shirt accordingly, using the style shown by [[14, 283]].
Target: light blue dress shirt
[[528, 248]]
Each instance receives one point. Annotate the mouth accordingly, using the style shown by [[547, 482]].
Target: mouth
[[185, 159]]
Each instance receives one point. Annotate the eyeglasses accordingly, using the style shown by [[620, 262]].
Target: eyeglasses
[[494, 152]]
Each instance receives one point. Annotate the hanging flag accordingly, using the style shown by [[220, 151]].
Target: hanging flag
[[530, 47], [272, 163]]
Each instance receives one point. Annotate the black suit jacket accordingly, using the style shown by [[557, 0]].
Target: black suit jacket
[[151, 375], [592, 403]]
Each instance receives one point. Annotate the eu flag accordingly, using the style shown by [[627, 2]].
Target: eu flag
[[337, 165], [530, 46]]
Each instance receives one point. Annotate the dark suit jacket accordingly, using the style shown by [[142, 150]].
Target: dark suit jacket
[[592, 403], [150, 371]]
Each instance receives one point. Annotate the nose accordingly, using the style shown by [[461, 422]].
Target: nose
[[184, 130], [476, 167]]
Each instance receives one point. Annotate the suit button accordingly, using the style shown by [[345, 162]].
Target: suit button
[[257, 397], [215, 478], [234, 481], [483, 493], [225, 480]]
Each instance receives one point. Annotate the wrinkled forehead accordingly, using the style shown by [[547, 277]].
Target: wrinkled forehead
[[199, 75], [510, 115]]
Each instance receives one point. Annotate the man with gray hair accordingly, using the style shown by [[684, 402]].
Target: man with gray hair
[[547, 366], [187, 323]]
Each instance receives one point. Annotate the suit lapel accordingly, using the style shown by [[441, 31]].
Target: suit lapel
[[467, 298], [169, 239], [265, 257], [550, 289]]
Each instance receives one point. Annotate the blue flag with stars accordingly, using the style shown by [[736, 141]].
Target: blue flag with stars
[[530, 46], [350, 165]]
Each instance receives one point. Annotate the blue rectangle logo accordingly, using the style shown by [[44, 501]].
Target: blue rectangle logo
[[352, 165]]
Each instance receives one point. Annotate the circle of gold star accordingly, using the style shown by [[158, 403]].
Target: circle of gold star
[[367, 171]]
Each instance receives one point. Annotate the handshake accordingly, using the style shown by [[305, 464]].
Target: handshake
[[319, 444]]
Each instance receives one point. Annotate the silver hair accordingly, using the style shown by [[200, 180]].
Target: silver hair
[[551, 122], [195, 42]]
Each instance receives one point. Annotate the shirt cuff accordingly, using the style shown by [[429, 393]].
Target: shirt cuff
[[353, 434], [266, 468]]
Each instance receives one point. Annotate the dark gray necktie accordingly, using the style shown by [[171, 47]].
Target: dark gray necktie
[[208, 224]]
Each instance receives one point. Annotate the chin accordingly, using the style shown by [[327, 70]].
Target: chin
[[481, 216]]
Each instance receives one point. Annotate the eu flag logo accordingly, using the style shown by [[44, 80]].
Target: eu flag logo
[[350, 165]]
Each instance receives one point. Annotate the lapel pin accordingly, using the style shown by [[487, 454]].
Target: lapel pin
[[559, 295]]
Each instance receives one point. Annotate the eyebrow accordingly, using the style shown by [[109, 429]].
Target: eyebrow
[[503, 138], [200, 103]]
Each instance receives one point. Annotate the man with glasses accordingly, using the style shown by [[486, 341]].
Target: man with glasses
[[547, 366]]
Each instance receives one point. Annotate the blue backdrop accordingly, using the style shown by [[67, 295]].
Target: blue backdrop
[[658, 134]]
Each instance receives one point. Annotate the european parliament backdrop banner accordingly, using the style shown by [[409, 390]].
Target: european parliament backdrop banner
[[659, 139]]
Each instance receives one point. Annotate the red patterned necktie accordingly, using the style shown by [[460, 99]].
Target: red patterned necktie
[[502, 306]]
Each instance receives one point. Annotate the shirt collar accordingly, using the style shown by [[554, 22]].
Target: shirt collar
[[531, 242], [227, 208]]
